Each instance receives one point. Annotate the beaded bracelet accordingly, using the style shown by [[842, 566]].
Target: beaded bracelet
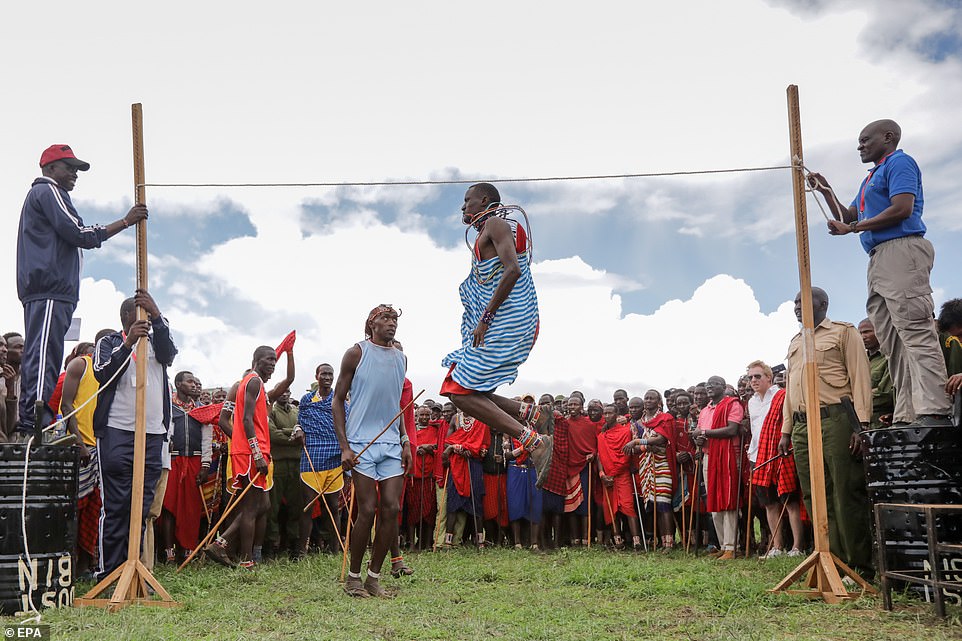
[[487, 317], [255, 448]]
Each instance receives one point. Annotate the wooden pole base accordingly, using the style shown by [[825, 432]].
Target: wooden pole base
[[132, 579], [823, 580]]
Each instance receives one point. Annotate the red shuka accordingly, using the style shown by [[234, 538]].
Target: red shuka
[[721, 479], [442, 435], [582, 441], [424, 465], [663, 424], [610, 443], [475, 439]]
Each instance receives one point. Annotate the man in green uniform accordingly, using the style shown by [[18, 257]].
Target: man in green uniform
[[883, 392], [843, 370], [286, 455], [950, 331]]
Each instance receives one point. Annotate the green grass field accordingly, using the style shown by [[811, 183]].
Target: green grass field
[[504, 594]]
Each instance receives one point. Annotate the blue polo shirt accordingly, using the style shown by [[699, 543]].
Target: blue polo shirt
[[897, 174]]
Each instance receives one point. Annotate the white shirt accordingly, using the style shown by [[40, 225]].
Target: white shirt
[[758, 407], [122, 414]]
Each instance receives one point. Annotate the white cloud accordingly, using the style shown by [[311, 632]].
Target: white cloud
[[359, 92], [585, 341]]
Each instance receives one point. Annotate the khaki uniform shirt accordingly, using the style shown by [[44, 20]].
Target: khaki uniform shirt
[[842, 371]]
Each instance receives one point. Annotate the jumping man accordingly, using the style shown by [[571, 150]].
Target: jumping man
[[499, 326]]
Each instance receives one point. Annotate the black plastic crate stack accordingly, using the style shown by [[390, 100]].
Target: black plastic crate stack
[[51, 519], [916, 466]]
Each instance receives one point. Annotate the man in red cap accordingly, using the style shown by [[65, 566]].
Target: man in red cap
[[50, 241]]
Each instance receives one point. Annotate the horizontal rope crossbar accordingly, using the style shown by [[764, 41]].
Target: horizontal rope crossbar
[[412, 183]]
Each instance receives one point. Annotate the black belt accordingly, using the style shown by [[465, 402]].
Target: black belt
[[824, 411]]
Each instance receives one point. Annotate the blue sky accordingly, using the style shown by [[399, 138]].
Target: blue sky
[[643, 282]]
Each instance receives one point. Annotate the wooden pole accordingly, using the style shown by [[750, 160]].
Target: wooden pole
[[588, 500], [347, 533], [357, 457], [826, 583], [133, 580], [323, 499]]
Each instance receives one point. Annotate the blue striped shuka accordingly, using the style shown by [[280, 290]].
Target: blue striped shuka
[[316, 419], [513, 331]]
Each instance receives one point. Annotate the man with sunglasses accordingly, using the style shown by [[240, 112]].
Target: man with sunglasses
[[50, 242]]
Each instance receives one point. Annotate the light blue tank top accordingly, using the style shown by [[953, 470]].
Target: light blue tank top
[[376, 394]]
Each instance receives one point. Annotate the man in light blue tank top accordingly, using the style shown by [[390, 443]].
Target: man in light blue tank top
[[372, 371]]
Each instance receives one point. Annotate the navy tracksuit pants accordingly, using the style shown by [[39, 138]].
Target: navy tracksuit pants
[[115, 448], [45, 324]]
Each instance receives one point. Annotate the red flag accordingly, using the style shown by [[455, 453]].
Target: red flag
[[207, 414], [287, 343]]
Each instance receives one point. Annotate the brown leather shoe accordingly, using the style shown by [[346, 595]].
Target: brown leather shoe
[[353, 587]]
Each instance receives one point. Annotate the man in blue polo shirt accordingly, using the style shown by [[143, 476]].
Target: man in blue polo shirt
[[887, 212]]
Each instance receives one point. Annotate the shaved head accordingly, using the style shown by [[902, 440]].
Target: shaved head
[[885, 126], [487, 190]]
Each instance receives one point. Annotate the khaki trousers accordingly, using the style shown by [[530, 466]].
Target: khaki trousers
[[900, 307], [147, 552]]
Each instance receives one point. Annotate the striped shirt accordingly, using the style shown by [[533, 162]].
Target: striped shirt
[[512, 333]]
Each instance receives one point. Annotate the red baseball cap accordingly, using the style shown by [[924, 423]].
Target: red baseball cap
[[62, 152]]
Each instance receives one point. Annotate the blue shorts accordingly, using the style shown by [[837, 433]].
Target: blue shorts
[[381, 461]]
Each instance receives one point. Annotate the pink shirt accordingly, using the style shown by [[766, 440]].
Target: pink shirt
[[735, 415]]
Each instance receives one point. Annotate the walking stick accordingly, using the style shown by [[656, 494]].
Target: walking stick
[[641, 521], [771, 460], [588, 500], [739, 480], [748, 519], [223, 516], [684, 531], [358, 455], [604, 490], [347, 534], [497, 496], [317, 480], [654, 516], [478, 535], [421, 506], [696, 507], [203, 502]]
